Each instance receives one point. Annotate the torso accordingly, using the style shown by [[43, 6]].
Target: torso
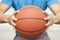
[[21, 3]]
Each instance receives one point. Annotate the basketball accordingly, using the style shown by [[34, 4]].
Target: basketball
[[30, 23]]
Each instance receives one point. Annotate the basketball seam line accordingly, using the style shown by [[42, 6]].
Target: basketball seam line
[[30, 19], [32, 31]]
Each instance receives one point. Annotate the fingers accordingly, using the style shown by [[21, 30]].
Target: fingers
[[15, 12], [50, 22], [12, 23], [46, 13], [13, 18], [47, 18]]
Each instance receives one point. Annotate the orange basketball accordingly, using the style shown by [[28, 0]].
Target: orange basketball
[[30, 23]]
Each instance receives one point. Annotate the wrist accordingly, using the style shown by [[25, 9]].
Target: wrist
[[57, 18], [6, 18]]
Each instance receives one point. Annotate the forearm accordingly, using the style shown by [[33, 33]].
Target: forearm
[[2, 17], [3, 8], [56, 10]]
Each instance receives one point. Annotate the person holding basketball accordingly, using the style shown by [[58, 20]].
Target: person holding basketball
[[18, 4]]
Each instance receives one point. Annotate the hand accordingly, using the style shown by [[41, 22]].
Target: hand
[[51, 20], [10, 19]]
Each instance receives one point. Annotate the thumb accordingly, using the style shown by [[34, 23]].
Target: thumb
[[47, 18]]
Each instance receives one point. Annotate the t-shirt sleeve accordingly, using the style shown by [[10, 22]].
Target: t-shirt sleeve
[[8, 2], [51, 2]]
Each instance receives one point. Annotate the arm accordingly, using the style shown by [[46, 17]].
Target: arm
[[6, 18], [55, 8], [3, 8]]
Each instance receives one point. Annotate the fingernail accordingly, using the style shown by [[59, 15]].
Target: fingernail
[[14, 25], [47, 24], [47, 18], [15, 19], [44, 18], [17, 11]]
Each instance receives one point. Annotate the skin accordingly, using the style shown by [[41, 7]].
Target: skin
[[54, 19], [6, 18], [10, 18]]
